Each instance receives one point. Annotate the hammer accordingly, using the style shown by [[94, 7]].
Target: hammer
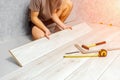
[[93, 45], [83, 51], [80, 50]]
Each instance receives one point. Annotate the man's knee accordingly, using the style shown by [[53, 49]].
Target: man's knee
[[69, 4], [37, 33], [67, 8]]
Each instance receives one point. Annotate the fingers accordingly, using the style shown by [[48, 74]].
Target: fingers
[[47, 36], [66, 27], [70, 28]]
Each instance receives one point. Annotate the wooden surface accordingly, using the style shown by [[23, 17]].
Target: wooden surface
[[53, 66], [32, 51]]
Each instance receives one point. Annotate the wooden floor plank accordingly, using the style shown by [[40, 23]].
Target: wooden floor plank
[[113, 72], [42, 64], [61, 70], [92, 69], [32, 51]]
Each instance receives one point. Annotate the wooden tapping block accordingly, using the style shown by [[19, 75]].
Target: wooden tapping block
[[29, 52], [101, 53], [93, 45], [112, 49]]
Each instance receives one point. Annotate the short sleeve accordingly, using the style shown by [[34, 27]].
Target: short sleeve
[[34, 5]]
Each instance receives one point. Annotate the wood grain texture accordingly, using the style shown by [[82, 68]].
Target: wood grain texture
[[52, 66], [113, 72], [32, 51], [93, 68], [37, 67]]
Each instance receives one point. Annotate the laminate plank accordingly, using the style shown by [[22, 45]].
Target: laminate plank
[[42, 64], [113, 72], [32, 51], [61, 70]]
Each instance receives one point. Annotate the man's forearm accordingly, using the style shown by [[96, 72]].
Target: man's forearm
[[56, 19], [39, 23]]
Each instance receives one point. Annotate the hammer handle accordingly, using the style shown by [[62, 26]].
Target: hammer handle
[[99, 43]]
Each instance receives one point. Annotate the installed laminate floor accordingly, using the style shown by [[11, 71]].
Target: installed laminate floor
[[52, 66]]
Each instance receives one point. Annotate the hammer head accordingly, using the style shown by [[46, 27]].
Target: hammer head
[[80, 48], [85, 47], [84, 51]]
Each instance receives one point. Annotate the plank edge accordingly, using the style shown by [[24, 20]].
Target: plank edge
[[15, 58]]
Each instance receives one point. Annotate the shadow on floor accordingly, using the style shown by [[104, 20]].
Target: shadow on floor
[[12, 60]]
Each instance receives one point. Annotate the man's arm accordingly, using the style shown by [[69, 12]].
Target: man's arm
[[56, 19], [39, 23]]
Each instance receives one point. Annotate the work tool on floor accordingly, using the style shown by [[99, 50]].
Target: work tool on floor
[[73, 52], [93, 51], [93, 45], [81, 50], [101, 53]]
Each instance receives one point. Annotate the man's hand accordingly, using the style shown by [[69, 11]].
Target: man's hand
[[47, 33], [56, 19], [67, 27]]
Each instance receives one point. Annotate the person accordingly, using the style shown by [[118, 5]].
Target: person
[[46, 12]]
